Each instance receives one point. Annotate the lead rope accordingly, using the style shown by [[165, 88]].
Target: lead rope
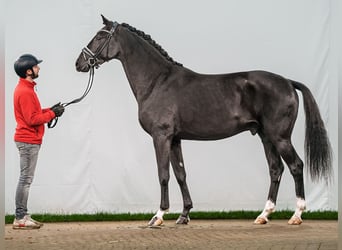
[[53, 122]]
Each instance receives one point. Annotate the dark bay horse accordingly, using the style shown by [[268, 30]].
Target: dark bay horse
[[177, 103]]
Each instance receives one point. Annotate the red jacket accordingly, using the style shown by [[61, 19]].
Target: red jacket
[[28, 113]]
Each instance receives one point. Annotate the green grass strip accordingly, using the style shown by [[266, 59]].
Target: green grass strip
[[241, 215]]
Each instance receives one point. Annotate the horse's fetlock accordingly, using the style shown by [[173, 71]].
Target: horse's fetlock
[[270, 206], [301, 204]]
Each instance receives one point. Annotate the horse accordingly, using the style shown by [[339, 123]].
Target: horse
[[176, 103]]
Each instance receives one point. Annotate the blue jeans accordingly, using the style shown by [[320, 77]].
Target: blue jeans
[[28, 161]]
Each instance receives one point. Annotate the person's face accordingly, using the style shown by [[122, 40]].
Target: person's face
[[35, 72]]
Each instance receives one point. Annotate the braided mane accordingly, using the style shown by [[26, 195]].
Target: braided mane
[[151, 42]]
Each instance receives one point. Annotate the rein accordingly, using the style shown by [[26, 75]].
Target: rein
[[53, 122], [93, 61]]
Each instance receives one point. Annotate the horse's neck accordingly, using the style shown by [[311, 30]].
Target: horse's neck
[[142, 64]]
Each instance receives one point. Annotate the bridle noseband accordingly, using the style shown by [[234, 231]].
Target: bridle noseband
[[90, 56], [93, 62]]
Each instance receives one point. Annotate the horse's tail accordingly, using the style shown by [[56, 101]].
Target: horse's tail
[[318, 154]]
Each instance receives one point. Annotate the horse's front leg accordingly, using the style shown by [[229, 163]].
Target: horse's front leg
[[162, 145], [179, 170]]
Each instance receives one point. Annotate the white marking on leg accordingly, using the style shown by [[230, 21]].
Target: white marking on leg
[[161, 213], [300, 207], [263, 217], [269, 208], [296, 218], [157, 219]]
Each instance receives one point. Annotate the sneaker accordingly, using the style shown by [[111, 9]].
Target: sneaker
[[28, 217], [24, 223]]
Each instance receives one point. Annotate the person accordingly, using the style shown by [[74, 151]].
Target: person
[[29, 132]]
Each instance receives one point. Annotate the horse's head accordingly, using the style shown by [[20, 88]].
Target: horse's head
[[100, 49]]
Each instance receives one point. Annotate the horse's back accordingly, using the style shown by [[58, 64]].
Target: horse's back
[[251, 92]]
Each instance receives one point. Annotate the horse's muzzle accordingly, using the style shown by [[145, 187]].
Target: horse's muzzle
[[82, 67]]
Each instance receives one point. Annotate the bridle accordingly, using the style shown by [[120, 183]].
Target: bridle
[[90, 56], [92, 60]]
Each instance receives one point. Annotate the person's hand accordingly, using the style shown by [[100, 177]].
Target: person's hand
[[58, 109]]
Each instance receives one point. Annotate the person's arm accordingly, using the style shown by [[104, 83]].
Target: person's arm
[[32, 112]]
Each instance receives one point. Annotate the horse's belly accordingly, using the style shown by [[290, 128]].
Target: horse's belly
[[213, 130]]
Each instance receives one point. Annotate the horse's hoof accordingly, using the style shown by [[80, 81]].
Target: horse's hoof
[[260, 221], [155, 222], [183, 220], [295, 220]]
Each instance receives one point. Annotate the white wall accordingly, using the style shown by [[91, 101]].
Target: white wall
[[99, 159]]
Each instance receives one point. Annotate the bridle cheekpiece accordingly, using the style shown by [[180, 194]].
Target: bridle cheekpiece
[[90, 56]]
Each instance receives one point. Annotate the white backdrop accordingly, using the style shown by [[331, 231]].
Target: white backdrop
[[98, 159]]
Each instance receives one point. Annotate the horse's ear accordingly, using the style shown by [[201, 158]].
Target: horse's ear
[[105, 20]]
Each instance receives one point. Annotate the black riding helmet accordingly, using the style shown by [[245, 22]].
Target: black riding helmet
[[25, 62]]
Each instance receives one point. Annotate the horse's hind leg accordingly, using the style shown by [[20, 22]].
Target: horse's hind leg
[[276, 169], [179, 170], [295, 164]]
